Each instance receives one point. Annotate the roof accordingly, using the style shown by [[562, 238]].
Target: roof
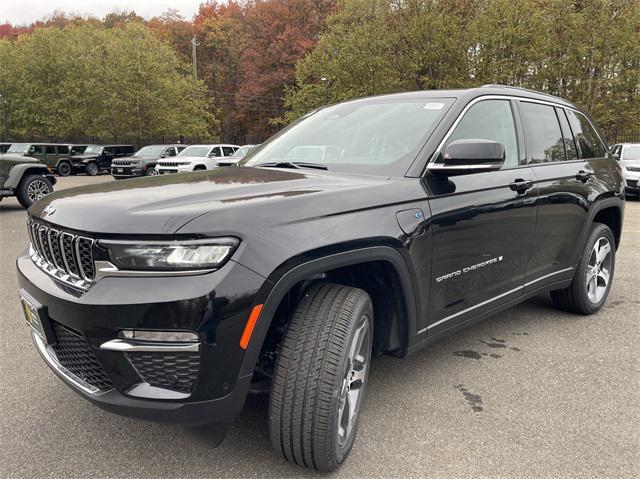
[[472, 93]]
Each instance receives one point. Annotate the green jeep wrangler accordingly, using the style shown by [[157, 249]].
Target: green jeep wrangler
[[25, 178], [53, 155]]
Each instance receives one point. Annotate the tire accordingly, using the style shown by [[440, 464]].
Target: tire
[[64, 168], [32, 188], [594, 275], [150, 171], [199, 168], [91, 169], [315, 376]]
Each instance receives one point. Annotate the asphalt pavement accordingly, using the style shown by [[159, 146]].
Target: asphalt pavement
[[531, 392]]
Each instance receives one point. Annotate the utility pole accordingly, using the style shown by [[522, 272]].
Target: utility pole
[[194, 59]]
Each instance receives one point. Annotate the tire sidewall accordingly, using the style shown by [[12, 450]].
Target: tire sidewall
[[598, 231]]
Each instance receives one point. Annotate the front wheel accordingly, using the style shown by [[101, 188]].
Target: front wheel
[[592, 281], [64, 168], [320, 376], [91, 169], [32, 188], [151, 171]]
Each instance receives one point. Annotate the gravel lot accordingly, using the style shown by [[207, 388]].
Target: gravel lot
[[531, 392]]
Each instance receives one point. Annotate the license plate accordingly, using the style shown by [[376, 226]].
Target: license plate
[[33, 315]]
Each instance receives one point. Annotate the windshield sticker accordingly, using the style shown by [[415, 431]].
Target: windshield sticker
[[433, 106], [468, 269]]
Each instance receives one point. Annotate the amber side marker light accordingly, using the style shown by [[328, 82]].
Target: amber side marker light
[[251, 323]]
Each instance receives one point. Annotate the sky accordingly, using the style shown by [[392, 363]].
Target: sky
[[20, 12]]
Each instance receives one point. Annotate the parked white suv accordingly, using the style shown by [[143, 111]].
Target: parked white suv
[[628, 154], [196, 157]]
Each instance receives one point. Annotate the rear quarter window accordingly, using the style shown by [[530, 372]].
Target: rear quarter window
[[587, 140]]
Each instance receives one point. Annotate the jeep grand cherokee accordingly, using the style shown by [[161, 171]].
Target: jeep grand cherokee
[[373, 226]]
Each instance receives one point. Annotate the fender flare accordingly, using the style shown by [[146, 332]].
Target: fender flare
[[598, 206], [275, 290], [19, 171]]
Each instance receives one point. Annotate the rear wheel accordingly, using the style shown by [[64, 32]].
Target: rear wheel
[[32, 188], [64, 168], [320, 377], [151, 171], [594, 274], [91, 169]]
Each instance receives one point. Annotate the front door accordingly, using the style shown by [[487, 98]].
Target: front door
[[482, 224]]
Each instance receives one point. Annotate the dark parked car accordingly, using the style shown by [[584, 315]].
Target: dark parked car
[[25, 178], [143, 162], [98, 158], [50, 154], [375, 226], [4, 147], [71, 165]]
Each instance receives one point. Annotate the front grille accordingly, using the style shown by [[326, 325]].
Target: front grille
[[124, 163], [65, 255], [172, 164], [74, 353], [175, 371], [632, 183]]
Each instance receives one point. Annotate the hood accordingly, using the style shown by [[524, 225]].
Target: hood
[[85, 156], [160, 205], [13, 158]]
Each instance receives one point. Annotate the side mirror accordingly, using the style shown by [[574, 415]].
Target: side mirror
[[463, 157]]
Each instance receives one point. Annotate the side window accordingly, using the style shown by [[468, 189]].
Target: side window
[[109, 150], [569, 143], [180, 148], [215, 152], [63, 150], [589, 144], [170, 152], [37, 150], [227, 151], [542, 129], [50, 149], [490, 120]]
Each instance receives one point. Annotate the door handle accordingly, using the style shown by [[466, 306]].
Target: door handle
[[583, 175], [521, 185]]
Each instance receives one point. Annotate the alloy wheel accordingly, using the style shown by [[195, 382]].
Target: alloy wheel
[[599, 270], [352, 390], [36, 190]]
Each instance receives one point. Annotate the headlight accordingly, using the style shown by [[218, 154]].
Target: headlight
[[170, 255]]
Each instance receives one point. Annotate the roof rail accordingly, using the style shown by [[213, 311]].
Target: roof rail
[[529, 90]]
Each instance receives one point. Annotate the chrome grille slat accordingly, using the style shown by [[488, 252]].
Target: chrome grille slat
[[66, 256]]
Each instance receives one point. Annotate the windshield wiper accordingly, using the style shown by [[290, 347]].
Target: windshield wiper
[[293, 164]]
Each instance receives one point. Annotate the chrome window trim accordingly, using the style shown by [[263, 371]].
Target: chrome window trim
[[476, 100]]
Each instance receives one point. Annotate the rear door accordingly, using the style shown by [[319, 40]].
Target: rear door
[[561, 152], [108, 154], [482, 223]]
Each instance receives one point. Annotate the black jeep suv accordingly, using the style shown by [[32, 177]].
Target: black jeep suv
[[375, 226], [96, 158]]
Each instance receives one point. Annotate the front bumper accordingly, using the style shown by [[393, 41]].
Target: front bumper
[[214, 305], [126, 171], [163, 170]]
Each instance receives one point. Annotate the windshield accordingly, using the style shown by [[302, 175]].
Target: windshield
[[18, 148], [152, 150], [629, 153], [376, 136], [199, 151], [242, 152], [93, 149]]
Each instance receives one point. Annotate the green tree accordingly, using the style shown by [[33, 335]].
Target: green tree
[[86, 80]]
